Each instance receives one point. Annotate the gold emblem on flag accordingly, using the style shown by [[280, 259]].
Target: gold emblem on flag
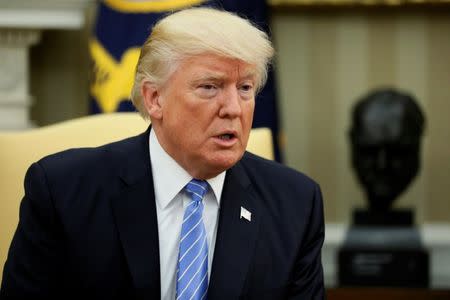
[[135, 6], [112, 80]]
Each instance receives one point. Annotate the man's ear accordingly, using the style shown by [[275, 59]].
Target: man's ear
[[151, 98]]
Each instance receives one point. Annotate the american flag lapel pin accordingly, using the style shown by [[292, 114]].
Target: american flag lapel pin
[[246, 214]]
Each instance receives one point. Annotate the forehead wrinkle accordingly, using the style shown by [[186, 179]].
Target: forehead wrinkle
[[245, 69]]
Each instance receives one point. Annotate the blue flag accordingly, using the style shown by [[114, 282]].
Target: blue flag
[[121, 29]]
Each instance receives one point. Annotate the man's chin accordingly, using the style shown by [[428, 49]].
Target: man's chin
[[223, 162]]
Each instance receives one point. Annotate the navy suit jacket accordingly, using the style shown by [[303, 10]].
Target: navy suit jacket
[[88, 227]]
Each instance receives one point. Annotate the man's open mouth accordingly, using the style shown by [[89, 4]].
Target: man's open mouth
[[226, 136]]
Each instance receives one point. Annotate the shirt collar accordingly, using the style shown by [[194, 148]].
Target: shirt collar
[[170, 178]]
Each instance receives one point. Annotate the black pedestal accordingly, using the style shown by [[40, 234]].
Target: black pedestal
[[383, 254], [397, 217]]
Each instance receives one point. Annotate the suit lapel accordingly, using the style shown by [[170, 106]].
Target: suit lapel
[[236, 236], [135, 215], [136, 220]]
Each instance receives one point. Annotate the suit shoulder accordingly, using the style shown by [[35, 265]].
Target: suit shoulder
[[265, 170], [85, 158]]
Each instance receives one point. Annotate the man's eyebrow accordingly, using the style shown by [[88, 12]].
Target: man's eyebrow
[[197, 78], [209, 76], [249, 75]]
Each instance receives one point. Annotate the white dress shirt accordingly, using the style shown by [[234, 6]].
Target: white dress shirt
[[169, 180]]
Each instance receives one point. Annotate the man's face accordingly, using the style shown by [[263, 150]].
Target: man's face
[[203, 115]]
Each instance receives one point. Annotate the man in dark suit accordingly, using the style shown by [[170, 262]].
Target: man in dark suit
[[180, 211]]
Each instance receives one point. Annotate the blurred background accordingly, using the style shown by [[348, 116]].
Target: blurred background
[[329, 54]]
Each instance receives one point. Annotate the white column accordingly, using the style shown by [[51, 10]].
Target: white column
[[15, 98], [21, 22]]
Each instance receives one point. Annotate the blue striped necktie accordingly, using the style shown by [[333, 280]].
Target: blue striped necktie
[[192, 272]]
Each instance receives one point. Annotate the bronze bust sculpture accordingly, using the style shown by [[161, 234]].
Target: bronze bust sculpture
[[387, 126], [383, 246]]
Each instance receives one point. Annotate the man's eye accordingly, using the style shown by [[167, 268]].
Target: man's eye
[[246, 87], [208, 86], [247, 91], [207, 90]]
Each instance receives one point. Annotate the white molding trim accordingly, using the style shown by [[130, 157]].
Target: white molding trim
[[43, 14]]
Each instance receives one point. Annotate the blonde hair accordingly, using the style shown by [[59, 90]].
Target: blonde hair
[[196, 31]]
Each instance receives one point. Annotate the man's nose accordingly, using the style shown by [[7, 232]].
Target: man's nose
[[230, 103]]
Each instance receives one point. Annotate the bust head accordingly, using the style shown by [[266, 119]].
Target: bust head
[[387, 126]]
